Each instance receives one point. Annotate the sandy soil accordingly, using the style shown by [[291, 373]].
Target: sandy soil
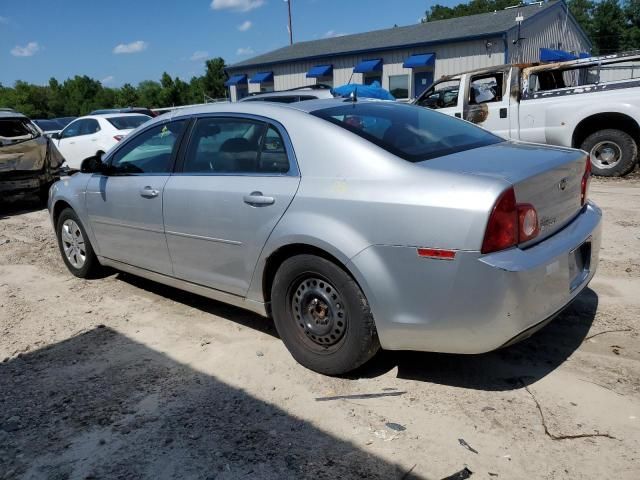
[[123, 378]]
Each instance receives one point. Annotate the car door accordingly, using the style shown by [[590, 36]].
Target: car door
[[87, 141], [443, 96], [67, 143], [487, 102], [238, 177], [125, 204]]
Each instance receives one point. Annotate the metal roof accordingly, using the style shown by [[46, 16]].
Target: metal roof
[[461, 28]]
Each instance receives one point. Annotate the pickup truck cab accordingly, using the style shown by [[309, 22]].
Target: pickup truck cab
[[591, 103]]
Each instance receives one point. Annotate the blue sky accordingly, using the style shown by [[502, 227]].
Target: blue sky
[[119, 41]]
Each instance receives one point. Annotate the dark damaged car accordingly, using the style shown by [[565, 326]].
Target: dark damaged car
[[29, 161]]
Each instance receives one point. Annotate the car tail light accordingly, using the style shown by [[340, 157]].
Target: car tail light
[[586, 179], [117, 138], [510, 223]]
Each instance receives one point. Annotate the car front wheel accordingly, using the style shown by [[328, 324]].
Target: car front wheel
[[75, 246], [322, 315]]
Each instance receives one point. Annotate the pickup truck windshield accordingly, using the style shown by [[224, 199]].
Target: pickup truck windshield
[[409, 132]]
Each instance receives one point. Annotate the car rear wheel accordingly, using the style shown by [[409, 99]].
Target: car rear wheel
[[75, 246], [322, 315], [613, 153]]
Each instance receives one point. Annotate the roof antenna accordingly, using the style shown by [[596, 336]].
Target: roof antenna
[[353, 96]]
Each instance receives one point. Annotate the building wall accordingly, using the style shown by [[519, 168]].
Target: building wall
[[554, 29]]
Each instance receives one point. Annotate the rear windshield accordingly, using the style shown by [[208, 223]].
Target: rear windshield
[[410, 132], [128, 122]]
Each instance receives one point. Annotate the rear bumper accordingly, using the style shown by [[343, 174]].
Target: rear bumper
[[476, 303]]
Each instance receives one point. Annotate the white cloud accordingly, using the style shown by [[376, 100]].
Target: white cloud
[[245, 51], [244, 26], [236, 5], [199, 56], [29, 50], [133, 47], [332, 34], [107, 80]]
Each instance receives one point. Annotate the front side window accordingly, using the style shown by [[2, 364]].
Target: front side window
[[414, 134], [235, 146], [486, 89], [72, 130], [399, 86], [441, 95], [149, 152]]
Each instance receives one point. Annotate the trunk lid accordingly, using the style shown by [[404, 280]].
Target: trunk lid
[[549, 178]]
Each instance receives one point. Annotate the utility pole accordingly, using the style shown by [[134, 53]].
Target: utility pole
[[290, 29]]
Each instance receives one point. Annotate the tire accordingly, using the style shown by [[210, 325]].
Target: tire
[[613, 153], [85, 267], [322, 316]]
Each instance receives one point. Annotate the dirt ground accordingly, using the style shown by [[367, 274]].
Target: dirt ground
[[122, 378]]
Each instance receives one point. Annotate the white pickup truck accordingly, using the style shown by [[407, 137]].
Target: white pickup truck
[[591, 103]]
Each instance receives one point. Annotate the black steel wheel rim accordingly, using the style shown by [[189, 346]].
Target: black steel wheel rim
[[319, 312]]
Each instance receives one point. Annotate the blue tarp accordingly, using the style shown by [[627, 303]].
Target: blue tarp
[[417, 61], [320, 71], [365, 91], [550, 55], [367, 66], [235, 80], [262, 77]]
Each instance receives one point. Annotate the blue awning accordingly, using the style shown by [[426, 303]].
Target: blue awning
[[367, 66], [320, 71], [262, 77], [235, 80], [417, 61], [550, 55]]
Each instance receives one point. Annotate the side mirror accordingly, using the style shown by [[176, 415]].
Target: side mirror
[[55, 135], [92, 165]]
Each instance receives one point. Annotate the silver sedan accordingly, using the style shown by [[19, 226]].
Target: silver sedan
[[355, 224]]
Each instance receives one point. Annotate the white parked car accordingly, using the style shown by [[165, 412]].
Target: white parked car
[[87, 136]]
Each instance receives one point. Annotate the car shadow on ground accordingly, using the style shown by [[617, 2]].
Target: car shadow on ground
[[504, 369], [19, 205], [212, 307], [101, 405]]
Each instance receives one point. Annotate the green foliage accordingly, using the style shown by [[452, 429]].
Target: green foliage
[[81, 94], [612, 25]]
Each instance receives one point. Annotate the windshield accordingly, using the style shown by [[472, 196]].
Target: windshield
[[127, 122], [48, 125], [412, 133], [15, 130]]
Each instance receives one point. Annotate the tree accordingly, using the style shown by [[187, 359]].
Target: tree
[[214, 77], [608, 26], [127, 96]]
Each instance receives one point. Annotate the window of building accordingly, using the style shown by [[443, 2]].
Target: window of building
[[325, 81], [266, 87], [369, 78], [399, 86]]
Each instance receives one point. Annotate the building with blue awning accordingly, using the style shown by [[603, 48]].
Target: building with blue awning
[[406, 60]]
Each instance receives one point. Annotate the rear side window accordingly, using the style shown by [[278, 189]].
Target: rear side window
[[235, 146], [149, 152], [127, 122], [442, 95], [409, 132]]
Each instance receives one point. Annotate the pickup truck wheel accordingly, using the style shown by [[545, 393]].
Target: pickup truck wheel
[[613, 153], [322, 315], [75, 246]]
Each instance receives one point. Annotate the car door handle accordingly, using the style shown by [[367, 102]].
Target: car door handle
[[149, 192], [256, 199]]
